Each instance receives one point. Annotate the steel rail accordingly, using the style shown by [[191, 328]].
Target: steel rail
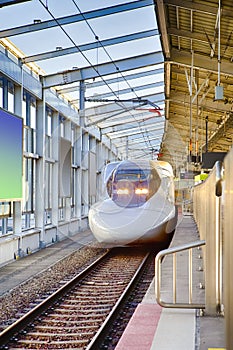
[[103, 330], [21, 323]]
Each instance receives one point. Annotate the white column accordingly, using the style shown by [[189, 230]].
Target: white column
[[78, 151], [40, 170], [84, 188], [18, 100], [92, 183], [17, 206], [68, 199], [55, 172]]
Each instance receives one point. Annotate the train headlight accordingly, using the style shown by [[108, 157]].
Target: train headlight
[[141, 191], [121, 191]]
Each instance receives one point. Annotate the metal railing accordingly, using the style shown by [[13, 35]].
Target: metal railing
[[158, 283], [207, 212]]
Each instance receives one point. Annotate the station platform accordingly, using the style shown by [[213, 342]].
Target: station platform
[[153, 327]]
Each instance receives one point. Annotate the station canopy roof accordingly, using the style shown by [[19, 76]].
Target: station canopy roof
[[153, 72]]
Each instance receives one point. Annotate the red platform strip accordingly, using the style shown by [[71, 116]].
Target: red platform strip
[[141, 329]]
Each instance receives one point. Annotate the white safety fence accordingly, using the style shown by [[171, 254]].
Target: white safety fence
[[227, 216], [207, 204], [213, 213]]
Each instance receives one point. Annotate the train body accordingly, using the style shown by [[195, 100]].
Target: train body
[[138, 206]]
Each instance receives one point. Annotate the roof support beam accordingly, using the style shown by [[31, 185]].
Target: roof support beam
[[10, 2], [201, 62], [152, 136], [131, 135], [136, 130], [129, 90], [197, 6], [193, 36], [75, 18], [90, 46], [163, 27], [106, 109], [141, 141], [208, 104], [125, 117], [71, 76], [152, 124], [118, 79]]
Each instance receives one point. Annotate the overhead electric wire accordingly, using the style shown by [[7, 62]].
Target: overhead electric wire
[[103, 47], [94, 68], [117, 69], [80, 51]]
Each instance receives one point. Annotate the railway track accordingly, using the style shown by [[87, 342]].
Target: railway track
[[75, 315]]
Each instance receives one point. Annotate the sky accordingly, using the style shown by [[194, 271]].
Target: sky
[[83, 32], [105, 27]]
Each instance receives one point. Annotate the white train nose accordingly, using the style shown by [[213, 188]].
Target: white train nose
[[140, 207]]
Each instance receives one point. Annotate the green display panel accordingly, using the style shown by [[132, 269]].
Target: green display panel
[[11, 156]]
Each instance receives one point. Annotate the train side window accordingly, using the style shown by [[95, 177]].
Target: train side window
[[109, 185], [154, 182]]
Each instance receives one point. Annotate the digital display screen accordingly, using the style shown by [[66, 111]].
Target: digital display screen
[[11, 156]]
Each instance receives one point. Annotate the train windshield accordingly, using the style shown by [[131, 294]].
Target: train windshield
[[131, 184], [132, 174]]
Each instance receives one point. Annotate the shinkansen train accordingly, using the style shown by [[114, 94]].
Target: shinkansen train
[[137, 206]]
